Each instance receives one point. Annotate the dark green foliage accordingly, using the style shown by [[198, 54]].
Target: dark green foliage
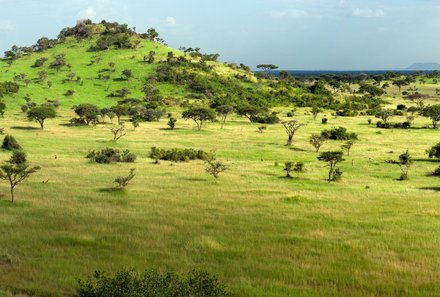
[[404, 162], [214, 168], [266, 118], [434, 152], [2, 108], [123, 181], [199, 115], [338, 134], [290, 167], [147, 114], [8, 88], [178, 155], [110, 155], [40, 62], [10, 144], [371, 90], [172, 123], [432, 112], [117, 41], [59, 62], [87, 113], [16, 170], [151, 284], [332, 159], [41, 113]]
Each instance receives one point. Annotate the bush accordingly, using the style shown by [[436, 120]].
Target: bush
[[151, 283], [324, 121], [436, 171], [266, 119], [110, 155], [10, 144], [338, 134], [178, 155]]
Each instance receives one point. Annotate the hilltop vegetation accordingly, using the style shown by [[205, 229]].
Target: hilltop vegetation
[[130, 153]]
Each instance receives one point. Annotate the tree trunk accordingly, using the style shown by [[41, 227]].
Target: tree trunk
[[289, 140], [12, 195], [41, 124]]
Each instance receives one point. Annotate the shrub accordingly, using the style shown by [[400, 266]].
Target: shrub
[[123, 181], [338, 134], [324, 121], [110, 155], [10, 144], [151, 283], [179, 155]]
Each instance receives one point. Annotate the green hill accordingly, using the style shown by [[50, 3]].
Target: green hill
[[93, 77]]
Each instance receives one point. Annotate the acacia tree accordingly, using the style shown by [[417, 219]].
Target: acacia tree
[[385, 115], [349, 145], [123, 181], [224, 111], [118, 131], [432, 112], [267, 68], [88, 113], [41, 113], [332, 159], [119, 111], [214, 168], [291, 127], [199, 115], [405, 161], [16, 170], [317, 140]]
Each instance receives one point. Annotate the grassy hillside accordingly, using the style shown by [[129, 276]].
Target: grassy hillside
[[261, 233]]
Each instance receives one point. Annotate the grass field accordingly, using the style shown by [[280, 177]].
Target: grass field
[[264, 235]]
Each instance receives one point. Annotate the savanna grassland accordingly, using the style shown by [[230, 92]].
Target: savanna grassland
[[261, 233]]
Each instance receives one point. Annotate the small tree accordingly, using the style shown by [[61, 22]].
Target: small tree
[[127, 74], [88, 113], [16, 170], [348, 145], [432, 112], [290, 167], [41, 113], [224, 111], [405, 161], [199, 116], [291, 127], [385, 115], [214, 168], [261, 129], [317, 140], [172, 123], [332, 159], [10, 143], [119, 110], [118, 131], [123, 181], [315, 111], [267, 68]]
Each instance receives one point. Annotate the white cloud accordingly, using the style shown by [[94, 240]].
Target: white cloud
[[368, 13], [290, 13], [88, 13], [6, 25], [170, 21]]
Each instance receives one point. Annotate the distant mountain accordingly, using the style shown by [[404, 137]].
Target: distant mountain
[[424, 66]]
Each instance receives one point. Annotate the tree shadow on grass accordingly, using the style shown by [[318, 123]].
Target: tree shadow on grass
[[24, 128], [296, 149], [426, 160], [112, 190], [435, 189], [195, 179]]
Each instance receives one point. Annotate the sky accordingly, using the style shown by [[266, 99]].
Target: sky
[[292, 34]]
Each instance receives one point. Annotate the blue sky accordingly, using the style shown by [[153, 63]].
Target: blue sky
[[293, 34]]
